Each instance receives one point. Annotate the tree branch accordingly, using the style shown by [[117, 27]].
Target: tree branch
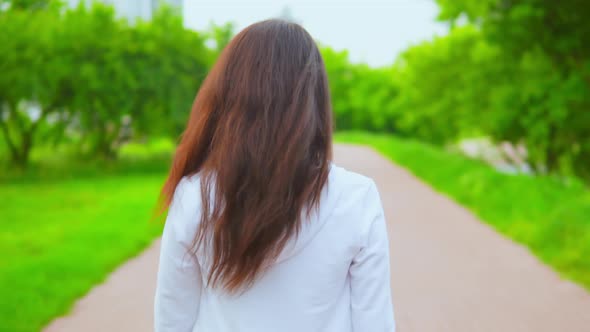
[[13, 113], [42, 117]]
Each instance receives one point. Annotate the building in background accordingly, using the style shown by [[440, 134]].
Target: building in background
[[134, 9]]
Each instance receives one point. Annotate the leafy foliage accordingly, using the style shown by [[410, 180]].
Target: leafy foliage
[[97, 78], [34, 81], [435, 103], [542, 100], [512, 71], [362, 97]]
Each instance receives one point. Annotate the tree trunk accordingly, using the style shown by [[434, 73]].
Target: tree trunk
[[104, 143], [20, 153]]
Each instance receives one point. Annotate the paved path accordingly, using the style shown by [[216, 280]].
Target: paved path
[[450, 272]]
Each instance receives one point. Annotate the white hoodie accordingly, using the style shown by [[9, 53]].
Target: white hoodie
[[334, 277]]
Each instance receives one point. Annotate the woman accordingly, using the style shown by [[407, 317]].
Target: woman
[[263, 232]]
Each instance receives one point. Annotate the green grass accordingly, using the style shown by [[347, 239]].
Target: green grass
[[47, 164], [550, 216], [63, 229]]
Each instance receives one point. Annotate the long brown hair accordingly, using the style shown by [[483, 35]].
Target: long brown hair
[[260, 137]]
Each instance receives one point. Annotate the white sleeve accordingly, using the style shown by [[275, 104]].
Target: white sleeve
[[371, 304], [178, 290]]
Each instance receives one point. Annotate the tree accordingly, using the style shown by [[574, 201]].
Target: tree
[[138, 80], [549, 44], [219, 36], [93, 41], [361, 96], [34, 81], [28, 4], [447, 86], [559, 29], [104, 80], [170, 63]]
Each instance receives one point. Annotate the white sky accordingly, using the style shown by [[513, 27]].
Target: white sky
[[374, 31]]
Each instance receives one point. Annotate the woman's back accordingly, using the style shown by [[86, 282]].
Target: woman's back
[[263, 232], [333, 277]]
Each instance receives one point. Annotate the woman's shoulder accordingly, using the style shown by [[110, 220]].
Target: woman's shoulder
[[349, 181], [351, 205], [184, 211], [351, 193], [357, 193], [188, 191]]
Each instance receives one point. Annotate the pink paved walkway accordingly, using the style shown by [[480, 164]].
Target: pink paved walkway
[[450, 272]]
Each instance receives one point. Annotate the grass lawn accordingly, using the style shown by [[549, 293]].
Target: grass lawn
[[58, 238], [549, 216]]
